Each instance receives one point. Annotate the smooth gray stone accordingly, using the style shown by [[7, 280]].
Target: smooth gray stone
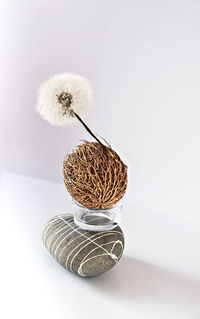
[[85, 253]]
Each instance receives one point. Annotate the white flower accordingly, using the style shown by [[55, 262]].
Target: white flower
[[62, 94]]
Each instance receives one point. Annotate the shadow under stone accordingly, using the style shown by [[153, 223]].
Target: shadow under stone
[[133, 280]]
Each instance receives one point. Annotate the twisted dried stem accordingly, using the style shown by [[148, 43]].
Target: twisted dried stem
[[65, 99]]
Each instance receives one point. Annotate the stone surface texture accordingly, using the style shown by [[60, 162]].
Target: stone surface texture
[[85, 253]]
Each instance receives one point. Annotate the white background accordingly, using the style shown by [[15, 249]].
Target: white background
[[143, 61]]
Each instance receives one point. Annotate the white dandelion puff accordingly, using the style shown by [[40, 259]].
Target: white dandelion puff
[[63, 98]]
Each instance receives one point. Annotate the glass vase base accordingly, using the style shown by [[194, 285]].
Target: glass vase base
[[97, 219]]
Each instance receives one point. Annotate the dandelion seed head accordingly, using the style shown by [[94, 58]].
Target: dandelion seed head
[[62, 94]]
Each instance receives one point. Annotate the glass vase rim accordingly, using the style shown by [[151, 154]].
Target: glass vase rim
[[118, 204]]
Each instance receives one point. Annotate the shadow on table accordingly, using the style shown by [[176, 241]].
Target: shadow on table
[[133, 279]]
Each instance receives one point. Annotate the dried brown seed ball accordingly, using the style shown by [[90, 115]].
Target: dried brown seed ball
[[95, 176]]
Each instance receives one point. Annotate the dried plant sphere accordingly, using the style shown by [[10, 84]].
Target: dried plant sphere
[[95, 176]]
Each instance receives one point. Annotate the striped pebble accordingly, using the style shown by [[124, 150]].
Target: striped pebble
[[82, 252]]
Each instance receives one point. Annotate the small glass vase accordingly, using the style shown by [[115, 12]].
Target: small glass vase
[[97, 219]]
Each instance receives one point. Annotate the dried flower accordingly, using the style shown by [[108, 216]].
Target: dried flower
[[63, 95], [95, 176]]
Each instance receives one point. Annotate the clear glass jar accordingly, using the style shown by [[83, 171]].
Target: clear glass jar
[[97, 219]]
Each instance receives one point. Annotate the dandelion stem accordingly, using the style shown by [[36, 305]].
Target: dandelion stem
[[87, 128], [65, 99]]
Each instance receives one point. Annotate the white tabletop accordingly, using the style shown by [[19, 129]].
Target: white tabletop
[[158, 276]]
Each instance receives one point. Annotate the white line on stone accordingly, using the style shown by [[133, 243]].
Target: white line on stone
[[54, 220], [45, 232], [85, 260], [103, 234], [71, 241], [53, 234], [61, 227], [59, 237]]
